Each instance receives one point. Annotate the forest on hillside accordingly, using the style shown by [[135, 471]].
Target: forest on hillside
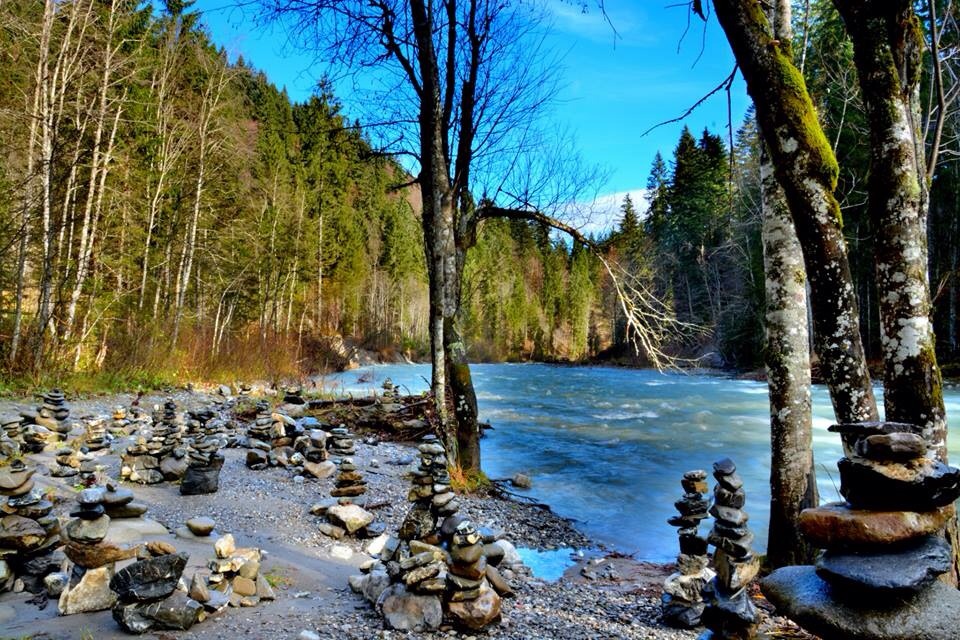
[[166, 212]]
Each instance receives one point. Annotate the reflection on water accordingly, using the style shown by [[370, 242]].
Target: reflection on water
[[607, 446]]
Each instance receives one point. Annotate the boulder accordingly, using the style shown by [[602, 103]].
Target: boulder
[[406, 611], [800, 594]]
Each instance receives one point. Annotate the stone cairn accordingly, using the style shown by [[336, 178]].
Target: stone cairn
[[204, 462], [49, 423], [883, 548], [96, 437], [12, 427], [234, 580], [29, 533], [682, 601], [270, 439], [93, 558], [730, 614], [312, 446], [428, 569], [157, 456]]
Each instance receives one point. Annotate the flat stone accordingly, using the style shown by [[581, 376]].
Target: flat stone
[[730, 516], [349, 516], [915, 485], [128, 510], [12, 478], [116, 498], [201, 526], [837, 525], [897, 573], [91, 531], [800, 594], [892, 446], [134, 530], [92, 556]]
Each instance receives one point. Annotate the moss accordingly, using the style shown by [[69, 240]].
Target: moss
[[799, 276], [800, 111]]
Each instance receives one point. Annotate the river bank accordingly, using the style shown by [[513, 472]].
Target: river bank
[[598, 596], [270, 509]]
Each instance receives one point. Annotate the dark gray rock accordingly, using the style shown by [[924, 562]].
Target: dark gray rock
[[800, 594], [865, 487], [177, 612], [149, 579], [900, 573], [201, 480], [680, 614]]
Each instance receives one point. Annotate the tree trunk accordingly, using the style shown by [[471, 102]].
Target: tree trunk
[[888, 43], [793, 485], [793, 482], [807, 171], [30, 192]]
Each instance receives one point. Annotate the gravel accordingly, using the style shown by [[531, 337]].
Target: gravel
[[270, 509]]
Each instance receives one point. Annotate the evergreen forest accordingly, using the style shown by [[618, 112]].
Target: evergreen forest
[[167, 212]]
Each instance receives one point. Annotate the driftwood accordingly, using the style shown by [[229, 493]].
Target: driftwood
[[405, 417]]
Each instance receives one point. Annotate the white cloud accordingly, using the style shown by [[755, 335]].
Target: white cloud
[[604, 212]]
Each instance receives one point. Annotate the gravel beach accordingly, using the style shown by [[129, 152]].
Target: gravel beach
[[602, 597]]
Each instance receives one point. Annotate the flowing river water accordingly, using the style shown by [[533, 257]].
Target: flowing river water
[[607, 446]]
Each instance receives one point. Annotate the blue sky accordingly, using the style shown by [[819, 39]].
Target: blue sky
[[612, 90]]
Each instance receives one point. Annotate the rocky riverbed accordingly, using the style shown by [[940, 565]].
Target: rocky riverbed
[[598, 597]]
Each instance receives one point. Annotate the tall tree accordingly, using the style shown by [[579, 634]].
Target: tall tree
[[793, 485]]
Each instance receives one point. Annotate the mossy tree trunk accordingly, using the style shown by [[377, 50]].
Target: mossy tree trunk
[[887, 43], [793, 484], [806, 169]]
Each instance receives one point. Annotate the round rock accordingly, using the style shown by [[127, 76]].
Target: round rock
[[202, 526]]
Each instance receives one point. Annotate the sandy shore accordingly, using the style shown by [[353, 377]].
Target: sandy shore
[[599, 598]]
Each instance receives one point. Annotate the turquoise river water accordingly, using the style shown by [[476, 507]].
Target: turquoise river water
[[607, 446]]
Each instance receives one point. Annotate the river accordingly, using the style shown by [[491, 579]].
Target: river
[[606, 446]]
